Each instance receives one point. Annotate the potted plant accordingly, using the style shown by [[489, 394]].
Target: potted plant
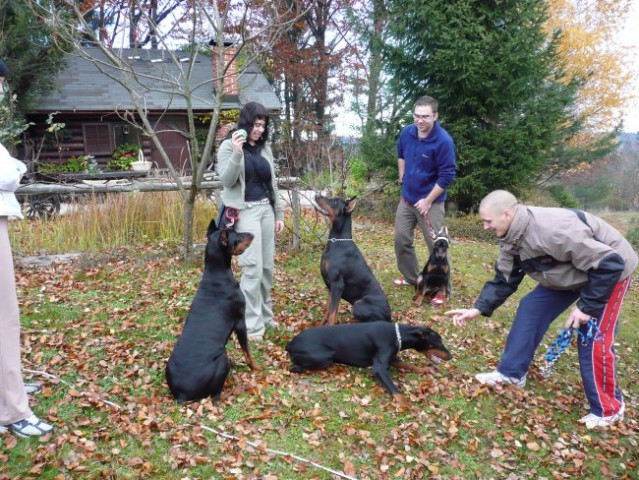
[[123, 156]]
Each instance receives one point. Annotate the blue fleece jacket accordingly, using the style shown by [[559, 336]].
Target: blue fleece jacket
[[428, 162]]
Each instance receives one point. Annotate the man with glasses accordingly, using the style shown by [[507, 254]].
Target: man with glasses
[[426, 162]]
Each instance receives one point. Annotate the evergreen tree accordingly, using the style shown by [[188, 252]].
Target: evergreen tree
[[503, 96], [33, 59]]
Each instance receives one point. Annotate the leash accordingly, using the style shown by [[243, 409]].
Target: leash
[[399, 338], [332, 240], [431, 230], [232, 215], [564, 339]]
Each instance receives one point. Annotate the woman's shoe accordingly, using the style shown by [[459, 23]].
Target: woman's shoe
[[30, 427], [32, 388]]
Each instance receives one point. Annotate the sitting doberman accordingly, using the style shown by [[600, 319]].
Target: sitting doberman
[[434, 281], [363, 345], [344, 270], [198, 365]]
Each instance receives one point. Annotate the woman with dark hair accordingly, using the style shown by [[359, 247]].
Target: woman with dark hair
[[246, 167], [15, 414]]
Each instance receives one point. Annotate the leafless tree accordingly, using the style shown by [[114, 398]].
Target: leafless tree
[[252, 26]]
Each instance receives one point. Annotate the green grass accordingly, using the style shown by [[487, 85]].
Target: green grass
[[106, 325]]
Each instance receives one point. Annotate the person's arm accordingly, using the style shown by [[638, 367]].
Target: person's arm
[[11, 171], [278, 204], [492, 296], [401, 167], [229, 163], [446, 169], [423, 205]]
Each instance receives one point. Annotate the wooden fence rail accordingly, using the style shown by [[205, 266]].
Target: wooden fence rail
[[154, 185]]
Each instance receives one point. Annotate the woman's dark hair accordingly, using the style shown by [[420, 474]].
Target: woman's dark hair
[[251, 112]]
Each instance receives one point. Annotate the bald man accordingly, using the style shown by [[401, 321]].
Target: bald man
[[575, 257]]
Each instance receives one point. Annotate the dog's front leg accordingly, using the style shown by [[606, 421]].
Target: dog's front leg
[[381, 364], [334, 296], [242, 338]]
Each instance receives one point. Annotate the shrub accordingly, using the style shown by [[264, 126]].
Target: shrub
[[123, 157], [633, 233], [564, 197], [75, 164]]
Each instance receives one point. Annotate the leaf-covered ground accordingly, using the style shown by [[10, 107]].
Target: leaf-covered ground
[[97, 335]]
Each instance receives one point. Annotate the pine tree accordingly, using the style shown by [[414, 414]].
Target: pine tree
[[502, 92], [26, 46]]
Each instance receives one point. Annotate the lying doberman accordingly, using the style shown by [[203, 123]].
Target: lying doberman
[[363, 345], [198, 365], [434, 281], [344, 270]]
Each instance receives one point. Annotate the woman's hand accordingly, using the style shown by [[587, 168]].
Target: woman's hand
[[238, 139], [279, 227]]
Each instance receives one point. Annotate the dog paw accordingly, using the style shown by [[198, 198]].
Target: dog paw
[[400, 401], [438, 301]]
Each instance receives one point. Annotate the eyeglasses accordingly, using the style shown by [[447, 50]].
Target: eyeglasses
[[422, 117]]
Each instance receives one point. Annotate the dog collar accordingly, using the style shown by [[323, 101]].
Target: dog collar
[[399, 338], [340, 239]]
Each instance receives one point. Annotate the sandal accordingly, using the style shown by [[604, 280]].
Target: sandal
[[30, 427], [400, 282], [32, 388]]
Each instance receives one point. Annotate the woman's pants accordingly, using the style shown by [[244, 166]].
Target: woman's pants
[[14, 405]]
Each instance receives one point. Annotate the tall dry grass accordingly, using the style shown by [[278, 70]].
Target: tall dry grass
[[103, 222]]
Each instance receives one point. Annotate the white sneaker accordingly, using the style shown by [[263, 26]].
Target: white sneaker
[[255, 337], [593, 421], [273, 324], [32, 388], [29, 427], [496, 378]]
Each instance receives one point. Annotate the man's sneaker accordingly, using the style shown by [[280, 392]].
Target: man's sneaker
[[593, 421], [32, 388], [496, 378], [29, 427]]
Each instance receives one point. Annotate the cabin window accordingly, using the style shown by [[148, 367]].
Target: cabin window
[[97, 139]]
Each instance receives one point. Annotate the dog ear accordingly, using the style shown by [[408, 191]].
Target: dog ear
[[224, 237], [212, 228], [350, 204]]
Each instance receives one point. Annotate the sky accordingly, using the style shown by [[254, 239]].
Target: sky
[[346, 121]]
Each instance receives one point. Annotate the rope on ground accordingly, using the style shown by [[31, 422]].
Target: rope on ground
[[204, 427], [280, 453]]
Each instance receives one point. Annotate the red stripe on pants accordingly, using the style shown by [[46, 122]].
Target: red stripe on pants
[[603, 357]]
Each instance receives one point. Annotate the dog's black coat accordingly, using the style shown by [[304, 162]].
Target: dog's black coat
[[363, 345], [344, 270], [198, 365], [435, 277]]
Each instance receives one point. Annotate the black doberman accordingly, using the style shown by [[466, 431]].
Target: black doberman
[[434, 281], [198, 365], [363, 345], [344, 270]]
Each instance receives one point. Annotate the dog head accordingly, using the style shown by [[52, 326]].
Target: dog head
[[225, 242], [440, 247], [337, 210], [430, 344]]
